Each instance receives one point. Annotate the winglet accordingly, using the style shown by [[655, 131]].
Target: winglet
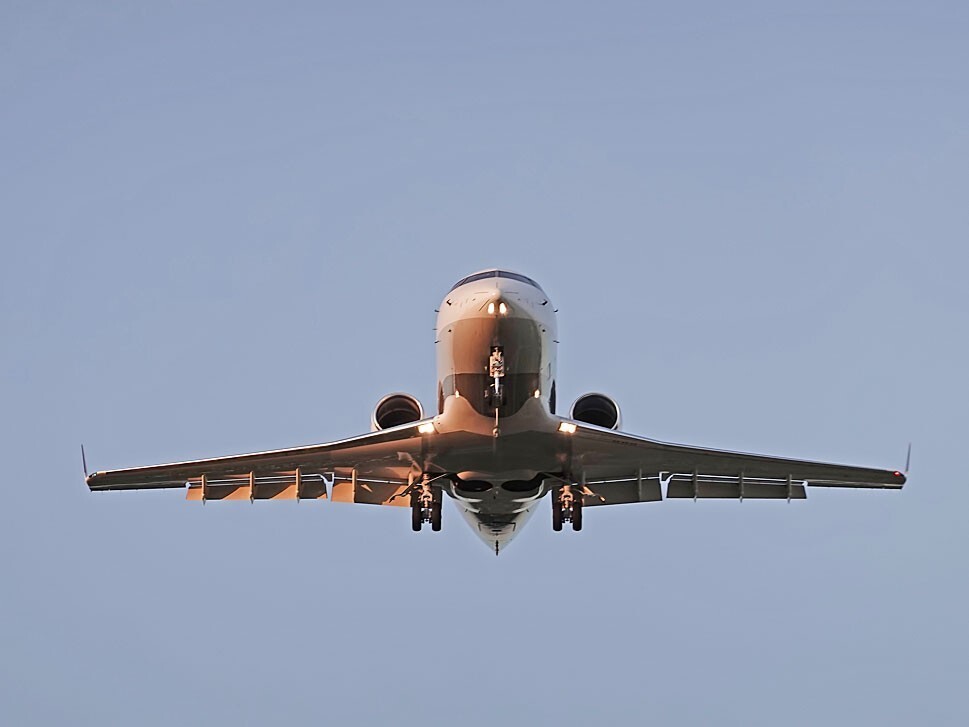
[[84, 461]]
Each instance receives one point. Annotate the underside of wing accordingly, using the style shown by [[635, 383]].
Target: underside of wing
[[619, 467], [372, 468]]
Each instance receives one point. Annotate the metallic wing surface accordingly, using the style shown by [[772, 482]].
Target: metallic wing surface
[[372, 468], [617, 467]]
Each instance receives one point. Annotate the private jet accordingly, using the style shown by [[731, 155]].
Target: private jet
[[495, 445]]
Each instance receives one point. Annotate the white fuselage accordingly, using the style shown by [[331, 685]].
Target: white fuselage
[[496, 341]]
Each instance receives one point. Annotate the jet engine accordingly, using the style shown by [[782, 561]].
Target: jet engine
[[597, 409], [394, 410]]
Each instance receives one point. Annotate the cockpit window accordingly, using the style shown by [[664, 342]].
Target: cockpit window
[[519, 278], [475, 278], [496, 274]]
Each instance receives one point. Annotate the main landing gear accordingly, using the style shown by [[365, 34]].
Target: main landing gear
[[425, 507], [566, 507]]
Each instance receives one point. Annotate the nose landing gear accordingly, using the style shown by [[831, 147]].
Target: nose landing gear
[[495, 394], [566, 507]]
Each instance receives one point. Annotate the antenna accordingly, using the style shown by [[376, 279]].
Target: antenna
[[84, 461], [908, 458]]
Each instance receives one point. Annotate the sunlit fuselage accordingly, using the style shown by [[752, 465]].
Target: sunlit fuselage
[[496, 340]]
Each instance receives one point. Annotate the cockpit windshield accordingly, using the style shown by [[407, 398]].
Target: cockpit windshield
[[497, 274]]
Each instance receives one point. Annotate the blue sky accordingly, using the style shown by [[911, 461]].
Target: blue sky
[[225, 228]]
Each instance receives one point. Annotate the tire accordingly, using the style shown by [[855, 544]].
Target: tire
[[556, 513], [416, 519], [436, 516], [577, 514]]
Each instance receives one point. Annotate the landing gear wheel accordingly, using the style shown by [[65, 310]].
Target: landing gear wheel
[[416, 517], [556, 514], [425, 507], [577, 514]]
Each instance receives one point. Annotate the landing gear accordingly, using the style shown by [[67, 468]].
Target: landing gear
[[425, 507], [416, 516], [566, 507], [495, 394]]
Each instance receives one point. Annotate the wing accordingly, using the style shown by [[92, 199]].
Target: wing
[[618, 467], [372, 468]]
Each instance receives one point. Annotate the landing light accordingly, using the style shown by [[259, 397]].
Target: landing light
[[491, 309], [537, 393], [502, 308], [567, 428], [426, 428]]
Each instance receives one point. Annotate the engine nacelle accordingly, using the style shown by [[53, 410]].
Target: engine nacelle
[[394, 410], [597, 409]]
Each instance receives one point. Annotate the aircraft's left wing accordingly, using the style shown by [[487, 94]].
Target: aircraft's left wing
[[372, 468], [618, 467]]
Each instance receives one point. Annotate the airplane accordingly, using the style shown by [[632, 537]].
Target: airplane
[[496, 445]]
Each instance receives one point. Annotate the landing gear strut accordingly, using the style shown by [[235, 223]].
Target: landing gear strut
[[425, 507], [566, 507], [495, 394]]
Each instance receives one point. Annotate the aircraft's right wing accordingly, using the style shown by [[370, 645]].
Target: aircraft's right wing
[[372, 468], [619, 467]]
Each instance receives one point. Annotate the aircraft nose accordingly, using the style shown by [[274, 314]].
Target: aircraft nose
[[497, 305], [504, 301]]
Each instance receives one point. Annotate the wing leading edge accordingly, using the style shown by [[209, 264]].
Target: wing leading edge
[[372, 468], [620, 467]]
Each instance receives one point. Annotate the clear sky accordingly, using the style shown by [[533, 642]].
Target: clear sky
[[225, 227]]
